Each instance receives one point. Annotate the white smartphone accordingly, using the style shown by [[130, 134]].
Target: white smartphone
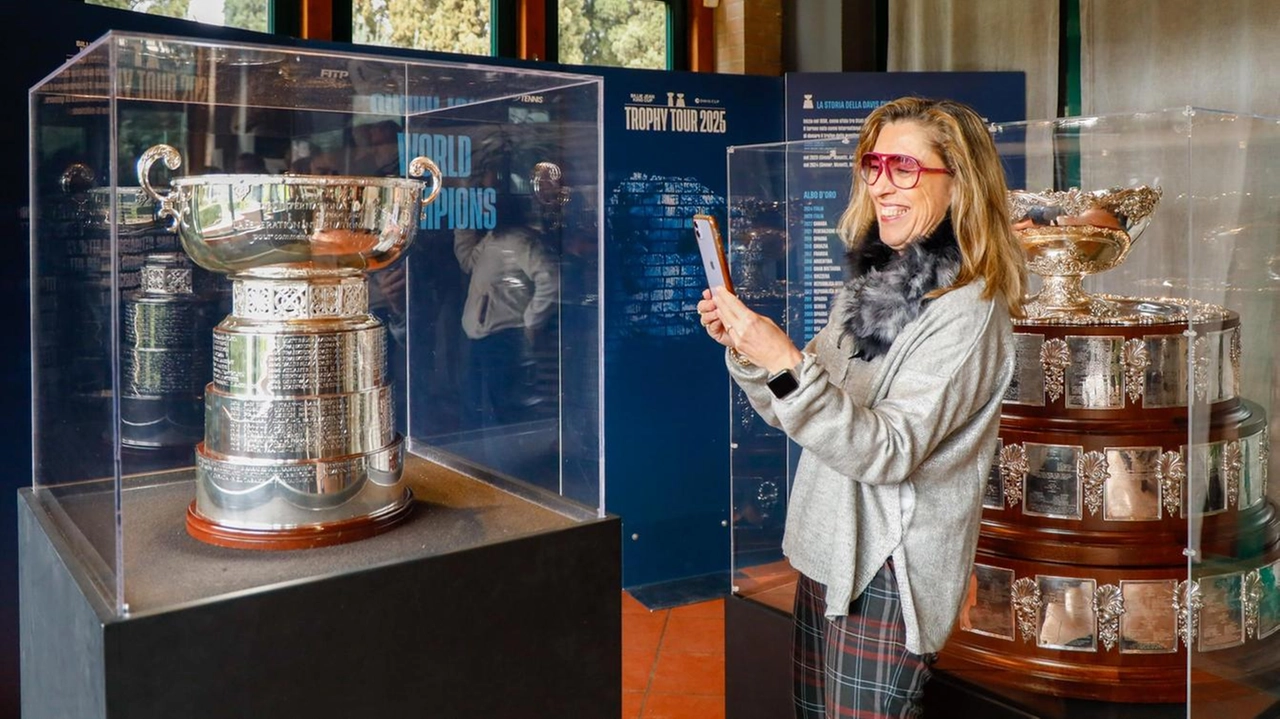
[[711, 247]]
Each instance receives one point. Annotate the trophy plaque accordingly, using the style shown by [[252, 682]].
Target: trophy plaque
[[1094, 483], [300, 448]]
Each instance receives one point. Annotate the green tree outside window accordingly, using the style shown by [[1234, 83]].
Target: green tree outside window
[[616, 33], [460, 26]]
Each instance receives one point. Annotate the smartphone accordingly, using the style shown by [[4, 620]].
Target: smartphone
[[711, 247]]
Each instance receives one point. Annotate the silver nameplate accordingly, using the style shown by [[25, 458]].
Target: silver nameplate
[[1052, 487], [302, 428], [993, 492], [1148, 625], [1206, 479], [1027, 385], [1166, 375], [1251, 475], [988, 608], [1232, 350], [1220, 375], [1222, 616], [1133, 484], [1067, 619], [1095, 377], [1269, 602], [249, 364]]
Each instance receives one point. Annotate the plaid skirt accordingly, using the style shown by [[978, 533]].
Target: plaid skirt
[[857, 665]]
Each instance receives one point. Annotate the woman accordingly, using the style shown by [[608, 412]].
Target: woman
[[896, 404]]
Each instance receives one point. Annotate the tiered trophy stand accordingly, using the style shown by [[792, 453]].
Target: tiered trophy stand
[[300, 448], [1081, 587]]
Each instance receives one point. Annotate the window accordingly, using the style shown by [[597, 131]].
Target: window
[[247, 14], [618, 33], [462, 26]]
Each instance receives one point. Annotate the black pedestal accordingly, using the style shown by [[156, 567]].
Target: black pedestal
[[757, 661], [482, 604]]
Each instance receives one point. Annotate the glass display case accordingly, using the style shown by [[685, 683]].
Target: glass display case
[[278, 292], [1129, 542]]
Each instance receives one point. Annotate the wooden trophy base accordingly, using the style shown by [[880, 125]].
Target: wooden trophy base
[[1121, 445], [303, 537], [1130, 684]]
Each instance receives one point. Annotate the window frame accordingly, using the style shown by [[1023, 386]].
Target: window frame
[[522, 29]]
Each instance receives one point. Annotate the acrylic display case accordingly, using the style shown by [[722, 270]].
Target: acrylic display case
[[1129, 541], [285, 298]]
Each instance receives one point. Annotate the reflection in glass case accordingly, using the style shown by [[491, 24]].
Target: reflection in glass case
[[1130, 536], [294, 284]]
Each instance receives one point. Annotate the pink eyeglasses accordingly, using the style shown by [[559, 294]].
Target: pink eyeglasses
[[904, 170]]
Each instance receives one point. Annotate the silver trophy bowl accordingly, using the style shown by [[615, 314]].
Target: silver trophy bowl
[[1068, 235], [237, 223]]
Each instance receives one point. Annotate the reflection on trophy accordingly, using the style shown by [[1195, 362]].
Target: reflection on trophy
[[165, 358], [1068, 620], [84, 222], [550, 194], [548, 185], [300, 448], [1123, 426], [758, 248]]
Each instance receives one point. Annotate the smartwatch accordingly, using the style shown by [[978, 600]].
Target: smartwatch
[[782, 383]]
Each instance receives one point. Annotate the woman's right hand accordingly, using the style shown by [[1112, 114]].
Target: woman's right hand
[[709, 316]]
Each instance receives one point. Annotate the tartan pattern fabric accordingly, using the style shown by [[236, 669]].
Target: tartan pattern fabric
[[856, 666]]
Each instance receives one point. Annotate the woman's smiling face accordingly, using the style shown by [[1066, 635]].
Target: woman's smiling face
[[907, 215]]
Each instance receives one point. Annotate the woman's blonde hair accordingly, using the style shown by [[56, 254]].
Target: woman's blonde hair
[[979, 199]]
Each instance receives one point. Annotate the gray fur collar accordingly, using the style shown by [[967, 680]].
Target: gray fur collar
[[885, 290]]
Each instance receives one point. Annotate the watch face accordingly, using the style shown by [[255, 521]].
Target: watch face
[[783, 383]]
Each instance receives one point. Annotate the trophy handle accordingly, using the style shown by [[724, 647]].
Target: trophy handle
[[172, 160], [547, 187], [423, 164]]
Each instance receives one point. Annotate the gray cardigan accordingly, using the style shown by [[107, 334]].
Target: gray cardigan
[[896, 452]]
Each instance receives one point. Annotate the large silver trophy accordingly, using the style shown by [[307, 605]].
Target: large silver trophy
[[300, 447], [1123, 429]]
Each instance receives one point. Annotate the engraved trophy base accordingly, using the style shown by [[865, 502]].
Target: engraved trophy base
[[296, 504], [305, 536], [1136, 683], [1080, 586]]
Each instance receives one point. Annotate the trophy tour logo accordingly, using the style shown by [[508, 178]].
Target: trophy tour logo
[[673, 112]]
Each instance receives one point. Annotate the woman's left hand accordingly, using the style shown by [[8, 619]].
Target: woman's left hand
[[710, 320], [755, 336]]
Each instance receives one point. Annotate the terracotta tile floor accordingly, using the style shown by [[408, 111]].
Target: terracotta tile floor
[[672, 661]]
